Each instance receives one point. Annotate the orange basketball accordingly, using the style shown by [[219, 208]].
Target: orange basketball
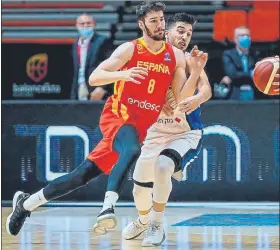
[[264, 75]]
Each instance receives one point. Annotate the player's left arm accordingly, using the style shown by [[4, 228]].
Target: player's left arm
[[204, 88], [181, 86]]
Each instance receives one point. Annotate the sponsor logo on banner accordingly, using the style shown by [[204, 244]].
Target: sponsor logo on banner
[[37, 67], [36, 70]]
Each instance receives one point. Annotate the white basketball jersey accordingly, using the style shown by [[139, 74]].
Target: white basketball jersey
[[174, 124], [178, 123]]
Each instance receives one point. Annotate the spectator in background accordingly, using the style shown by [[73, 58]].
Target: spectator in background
[[88, 52], [238, 64]]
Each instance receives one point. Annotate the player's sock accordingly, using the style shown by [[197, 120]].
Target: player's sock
[[144, 218], [34, 201], [110, 200], [156, 216]]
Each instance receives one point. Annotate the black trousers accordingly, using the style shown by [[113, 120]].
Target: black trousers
[[127, 145]]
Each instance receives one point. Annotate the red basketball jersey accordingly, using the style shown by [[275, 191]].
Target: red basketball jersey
[[143, 102]]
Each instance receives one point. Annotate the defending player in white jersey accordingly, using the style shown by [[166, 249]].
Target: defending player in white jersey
[[171, 144]]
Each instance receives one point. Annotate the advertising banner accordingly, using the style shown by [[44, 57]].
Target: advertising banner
[[239, 160], [36, 71]]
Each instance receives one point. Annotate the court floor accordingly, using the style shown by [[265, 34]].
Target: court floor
[[197, 226]]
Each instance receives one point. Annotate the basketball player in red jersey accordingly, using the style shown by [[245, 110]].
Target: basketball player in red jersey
[[143, 70]]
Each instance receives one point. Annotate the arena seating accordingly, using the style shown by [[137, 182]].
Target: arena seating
[[264, 24], [265, 5], [225, 21], [261, 17], [202, 10], [53, 21]]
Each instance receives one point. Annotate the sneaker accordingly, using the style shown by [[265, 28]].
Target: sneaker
[[99, 230], [134, 229], [155, 235], [106, 220], [17, 218]]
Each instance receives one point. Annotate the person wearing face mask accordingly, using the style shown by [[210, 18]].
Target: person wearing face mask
[[89, 50], [238, 64]]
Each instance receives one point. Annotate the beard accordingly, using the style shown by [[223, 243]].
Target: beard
[[155, 37]]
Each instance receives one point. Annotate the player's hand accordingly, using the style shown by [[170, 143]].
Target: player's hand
[[197, 61], [189, 104], [194, 51], [97, 94], [135, 73], [167, 109], [277, 83]]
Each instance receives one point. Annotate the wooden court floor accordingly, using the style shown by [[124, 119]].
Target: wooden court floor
[[192, 227]]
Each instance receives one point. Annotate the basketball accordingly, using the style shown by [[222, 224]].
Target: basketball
[[264, 75]]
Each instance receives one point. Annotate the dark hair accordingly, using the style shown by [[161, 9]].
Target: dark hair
[[148, 6], [180, 17]]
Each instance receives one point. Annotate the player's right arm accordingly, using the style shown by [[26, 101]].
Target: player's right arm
[[108, 71], [191, 103]]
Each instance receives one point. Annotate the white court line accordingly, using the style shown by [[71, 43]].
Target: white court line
[[241, 205], [245, 205]]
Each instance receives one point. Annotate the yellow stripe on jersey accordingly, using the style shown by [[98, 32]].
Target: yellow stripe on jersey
[[124, 112], [115, 106], [120, 90], [123, 107], [115, 102], [115, 88]]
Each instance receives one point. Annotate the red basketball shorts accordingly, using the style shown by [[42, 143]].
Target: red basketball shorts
[[103, 155]]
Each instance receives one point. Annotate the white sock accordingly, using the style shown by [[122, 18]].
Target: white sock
[[110, 200], [34, 201], [156, 216], [144, 218]]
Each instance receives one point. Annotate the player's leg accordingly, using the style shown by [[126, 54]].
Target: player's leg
[[164, 168], [126, 144], [24, 204], [169, 161], [143, 177]]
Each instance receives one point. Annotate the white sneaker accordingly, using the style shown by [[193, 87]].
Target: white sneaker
[[155, 235], [134, 229], [105, 220]]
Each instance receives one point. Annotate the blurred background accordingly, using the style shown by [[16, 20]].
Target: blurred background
[[49, 49]]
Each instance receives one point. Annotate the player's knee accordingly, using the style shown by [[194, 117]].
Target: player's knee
[[164, 167], [136, 190], [142, 197], [84, 173], [141, 190]]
